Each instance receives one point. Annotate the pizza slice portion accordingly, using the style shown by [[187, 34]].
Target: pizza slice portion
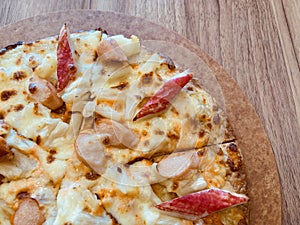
[[117, 118], [112, 132], [214, 172], [159, 190], [154, 99]]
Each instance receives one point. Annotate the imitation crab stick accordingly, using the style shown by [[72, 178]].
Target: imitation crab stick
[[162, 98], [200, 204], [66, 68]]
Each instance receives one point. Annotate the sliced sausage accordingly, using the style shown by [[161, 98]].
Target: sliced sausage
[[109, 50], [44, 92], [90, 149], [28, 213], [177, 164], [117, 133]]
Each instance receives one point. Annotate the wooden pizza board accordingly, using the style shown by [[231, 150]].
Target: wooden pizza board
[[263, 179]]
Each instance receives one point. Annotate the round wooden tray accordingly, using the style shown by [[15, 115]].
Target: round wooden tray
[[263, 180]]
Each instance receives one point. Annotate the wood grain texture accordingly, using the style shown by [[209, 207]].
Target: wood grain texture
[[256, 41]]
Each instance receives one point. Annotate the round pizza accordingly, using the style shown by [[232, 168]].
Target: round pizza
[[97, 129]]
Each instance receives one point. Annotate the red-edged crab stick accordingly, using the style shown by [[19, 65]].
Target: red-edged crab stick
[[200, 204], [162, 98]]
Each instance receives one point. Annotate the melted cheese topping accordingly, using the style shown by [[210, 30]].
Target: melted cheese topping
[[192, 112], [45, 163]]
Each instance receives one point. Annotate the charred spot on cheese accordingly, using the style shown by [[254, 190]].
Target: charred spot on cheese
[[103, 31], [159, 77], [92, 175], [232, 147], [190, 88], [63, 113], [1, 179], [106, 140], [7, 94], [209, 126], [5, 151], [10, 47], [121, 86], [220, 152], [134, 66], [32, 63], [68, 223], [173, 134], [119, 170], [33, 68], [3, 125], [159, 132], [38, 140], [173, 110], [169, 62], [29, 44], [146, 79], [95, 56], [23, 194], [201, 152], [36, 109], [73, 69], [50, 158], [52, 151], [222, 162], [76, 53], [144, 132], [19, 61], [203, 118], [18, 107], [234, 160], [133, 161], [32, 88], [234, 164], [2, 115]]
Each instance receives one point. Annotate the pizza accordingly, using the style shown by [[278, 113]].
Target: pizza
[[97, 129]]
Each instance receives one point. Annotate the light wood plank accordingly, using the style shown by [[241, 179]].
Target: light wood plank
[[170, 14], [291, 9], [254, 53], [291, 46], [14, 10]]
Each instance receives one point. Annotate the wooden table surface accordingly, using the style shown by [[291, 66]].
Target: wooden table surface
[[256, 41]]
